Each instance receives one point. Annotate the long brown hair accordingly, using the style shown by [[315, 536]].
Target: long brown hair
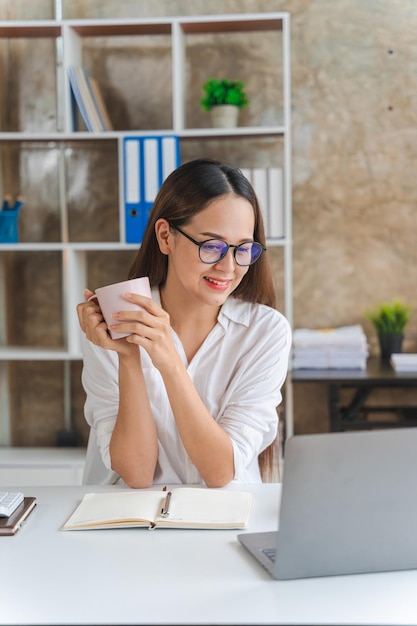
[[186, 191]]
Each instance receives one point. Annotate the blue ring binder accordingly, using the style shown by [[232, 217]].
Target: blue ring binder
[[147, 161]]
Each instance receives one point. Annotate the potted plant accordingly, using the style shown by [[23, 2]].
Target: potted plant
[[224, 98], [389, 320]]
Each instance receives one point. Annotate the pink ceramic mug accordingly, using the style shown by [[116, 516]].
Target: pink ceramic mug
[[110, 299]]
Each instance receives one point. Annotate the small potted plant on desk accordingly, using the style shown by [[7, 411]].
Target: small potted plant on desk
[[224, 98], [389, 320]]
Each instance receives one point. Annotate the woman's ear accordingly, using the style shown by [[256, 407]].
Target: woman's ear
[[163, 235]]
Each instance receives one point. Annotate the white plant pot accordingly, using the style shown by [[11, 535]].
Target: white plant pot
[[224, 116]]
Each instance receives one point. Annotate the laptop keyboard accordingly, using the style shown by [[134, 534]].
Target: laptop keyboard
[[269, 553]]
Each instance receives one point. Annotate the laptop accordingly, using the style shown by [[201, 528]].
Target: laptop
[[348, 506]]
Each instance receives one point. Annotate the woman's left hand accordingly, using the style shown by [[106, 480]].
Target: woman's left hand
[[151, 329]]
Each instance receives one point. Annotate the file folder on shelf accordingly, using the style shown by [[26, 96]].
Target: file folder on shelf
[[147, 161], [268, 184]]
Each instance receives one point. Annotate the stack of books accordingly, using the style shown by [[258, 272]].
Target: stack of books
[[406, 362], [345, 347]]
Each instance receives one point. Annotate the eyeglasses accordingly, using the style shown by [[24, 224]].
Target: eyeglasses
[[214, 250]]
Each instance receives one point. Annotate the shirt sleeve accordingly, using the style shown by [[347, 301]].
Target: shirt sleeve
[[100, 382], [250, 417]]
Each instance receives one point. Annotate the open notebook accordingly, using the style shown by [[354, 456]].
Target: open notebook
[[348, 506], [183, 507]]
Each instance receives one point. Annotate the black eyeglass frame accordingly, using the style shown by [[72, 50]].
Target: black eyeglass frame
[[226, 250]]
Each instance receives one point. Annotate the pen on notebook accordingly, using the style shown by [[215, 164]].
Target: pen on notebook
[[165, 508]]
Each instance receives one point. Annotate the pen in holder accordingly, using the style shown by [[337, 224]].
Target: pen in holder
[[9, 220]]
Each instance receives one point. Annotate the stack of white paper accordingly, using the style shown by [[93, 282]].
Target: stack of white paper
[[345, 347], [404, 362]]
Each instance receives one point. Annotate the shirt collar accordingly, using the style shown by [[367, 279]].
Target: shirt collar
[[236, 311]]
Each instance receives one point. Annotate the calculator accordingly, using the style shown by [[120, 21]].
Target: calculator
[[9, 501]]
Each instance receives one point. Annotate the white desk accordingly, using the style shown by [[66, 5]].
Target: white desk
[[137, 576]]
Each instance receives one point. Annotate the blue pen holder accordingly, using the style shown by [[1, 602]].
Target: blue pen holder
[[9, 226]]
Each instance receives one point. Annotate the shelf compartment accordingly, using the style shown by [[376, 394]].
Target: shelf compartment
[[31, 169], [137, 95], [28, 59], [32, 286], [12, 10], [269, 153], [223, 49], [71, 190], [92, 191], [37, 403]]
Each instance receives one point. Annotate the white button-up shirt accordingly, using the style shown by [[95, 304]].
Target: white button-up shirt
[[238, 372]]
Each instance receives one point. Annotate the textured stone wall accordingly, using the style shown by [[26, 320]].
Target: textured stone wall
[[354, 121], [355, 156]]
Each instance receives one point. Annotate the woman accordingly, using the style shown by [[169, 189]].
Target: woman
[[191, 395]]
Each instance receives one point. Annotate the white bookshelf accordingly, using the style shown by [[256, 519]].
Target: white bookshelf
[[57, 140]]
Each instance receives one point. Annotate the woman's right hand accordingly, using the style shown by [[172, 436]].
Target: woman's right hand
[[93, 325]]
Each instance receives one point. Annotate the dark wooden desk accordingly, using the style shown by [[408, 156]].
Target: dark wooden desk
[[356, 414]]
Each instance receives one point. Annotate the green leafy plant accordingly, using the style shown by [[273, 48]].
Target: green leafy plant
[[389, 318], [223, 91]]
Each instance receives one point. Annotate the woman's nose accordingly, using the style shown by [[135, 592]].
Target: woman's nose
[[228, 261]]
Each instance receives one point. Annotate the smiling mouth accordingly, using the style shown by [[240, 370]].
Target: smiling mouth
[[219, 283]]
